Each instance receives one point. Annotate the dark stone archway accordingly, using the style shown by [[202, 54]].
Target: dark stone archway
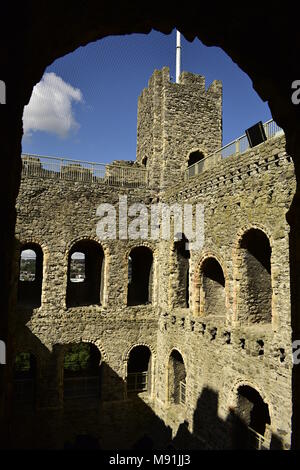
[[264, 43]]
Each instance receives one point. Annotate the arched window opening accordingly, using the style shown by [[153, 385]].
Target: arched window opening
[[139, 370], [85, 274], [182, 264], [253, 418], [195, 157], [140, 264], [25, 379], [255, 305], [145, 161], [177, 379], [213, 288], [82, 371], [31, 276]]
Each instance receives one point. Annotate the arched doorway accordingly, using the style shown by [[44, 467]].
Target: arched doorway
[[139, 370], [212, 289], [252, 419], [176, 378], [30, 276], [255, 292], [180, 285], [82, 372], [85, 274], [140, 276]]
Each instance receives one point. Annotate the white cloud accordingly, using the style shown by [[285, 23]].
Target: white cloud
[[50, 107]]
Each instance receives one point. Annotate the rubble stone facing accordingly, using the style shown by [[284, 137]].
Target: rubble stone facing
[[173, 119]]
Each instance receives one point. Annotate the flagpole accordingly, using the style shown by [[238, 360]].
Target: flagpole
[[178, 55]]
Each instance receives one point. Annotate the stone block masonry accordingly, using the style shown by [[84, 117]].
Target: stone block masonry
[[172, 123]]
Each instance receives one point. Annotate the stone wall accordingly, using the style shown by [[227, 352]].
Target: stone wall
[[173, 120], [232, 327], [222, 350], [219, 349]]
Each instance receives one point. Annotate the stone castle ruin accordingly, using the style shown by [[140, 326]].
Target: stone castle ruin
[[130, 343]]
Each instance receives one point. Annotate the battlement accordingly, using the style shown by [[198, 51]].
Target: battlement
[[162, 78], [175, 118], [188, 78]]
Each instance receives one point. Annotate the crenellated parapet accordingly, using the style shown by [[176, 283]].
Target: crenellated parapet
[[175, 119]]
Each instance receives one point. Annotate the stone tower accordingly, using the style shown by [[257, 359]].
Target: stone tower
[[175, 120]]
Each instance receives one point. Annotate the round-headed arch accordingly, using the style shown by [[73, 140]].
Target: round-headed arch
[[253, 279], [70, 244], [179, 285], [32, 256], [134, 345], [85, 277], [140, 262], [139, 368], [210, 286], [98, 345], [144, 243], [34, 241], [255, 226], [176, 377], [195, 155], [252, 411]]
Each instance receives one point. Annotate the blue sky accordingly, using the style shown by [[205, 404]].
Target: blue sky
[[93, 114]]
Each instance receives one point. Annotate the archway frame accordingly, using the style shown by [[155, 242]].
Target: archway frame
[[154, 250], [46, 256], [197, 296], [153, 359], [237, 260], [106, 258], [232, 401], [166, 365], [192, 150], [172, 263]]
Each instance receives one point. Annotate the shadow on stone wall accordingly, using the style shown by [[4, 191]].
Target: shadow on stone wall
[[293, 219], [114, 421], [212, 432]]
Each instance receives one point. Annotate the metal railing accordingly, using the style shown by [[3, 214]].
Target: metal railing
[[137, 382], [75, 170], [257, 441], [182, 392], [81, 387], [236, 147]]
